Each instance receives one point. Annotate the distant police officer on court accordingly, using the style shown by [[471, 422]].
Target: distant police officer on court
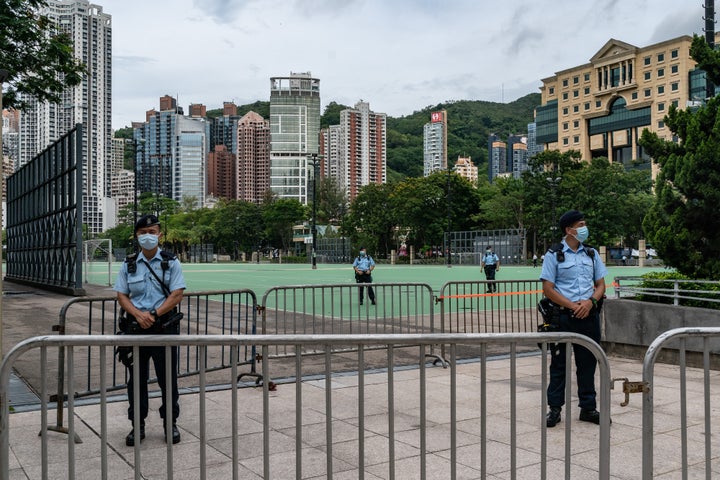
[[573, 279], [491, 264], [363, 266], [149, 287]]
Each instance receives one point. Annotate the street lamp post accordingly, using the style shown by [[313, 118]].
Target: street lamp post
[[136, 142], [449, 210], [553, 182], [313, 227], [4, 74]]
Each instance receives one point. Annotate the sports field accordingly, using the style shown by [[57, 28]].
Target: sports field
[[263, 276]]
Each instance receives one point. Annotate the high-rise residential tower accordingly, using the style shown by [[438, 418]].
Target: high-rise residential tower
[[172, 153], [435, 143], [355, 151], [89, 103], [497, 157], [294, 133], [253, 157]]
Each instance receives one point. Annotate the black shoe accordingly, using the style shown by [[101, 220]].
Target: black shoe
[[175, 434], [373, 302], [361, 302], [553, 417], [592, 416], [130, 439]]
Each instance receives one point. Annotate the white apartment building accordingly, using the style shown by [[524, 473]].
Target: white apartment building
[[294, 133], [435, 143], [466, 168]]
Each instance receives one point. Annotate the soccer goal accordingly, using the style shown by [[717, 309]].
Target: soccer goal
[[97, 254]]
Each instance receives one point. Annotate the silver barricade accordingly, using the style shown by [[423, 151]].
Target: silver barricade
[[221, 312], [685, 342], [390, 422], [468, 306], [336, 309]]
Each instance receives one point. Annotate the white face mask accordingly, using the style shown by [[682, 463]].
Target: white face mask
[[148, 241], [581, 234]]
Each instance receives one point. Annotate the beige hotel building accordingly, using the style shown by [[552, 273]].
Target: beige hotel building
[[602, 107]]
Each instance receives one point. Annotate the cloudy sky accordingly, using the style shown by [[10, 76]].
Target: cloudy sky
[[399, 55]]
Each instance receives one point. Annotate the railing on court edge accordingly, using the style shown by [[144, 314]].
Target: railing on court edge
[[399, 308], [217, 312], [470, 307]]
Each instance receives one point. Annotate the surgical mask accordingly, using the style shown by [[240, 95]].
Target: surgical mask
[[581, 234], [362, 254], [148, 241], [488, 252]]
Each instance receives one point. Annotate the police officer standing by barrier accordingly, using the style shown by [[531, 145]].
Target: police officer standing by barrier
[[573, 279], [363, 266], [491, 264], [149, 287]]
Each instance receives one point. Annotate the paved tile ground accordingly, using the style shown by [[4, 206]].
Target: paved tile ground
[[626, 441]]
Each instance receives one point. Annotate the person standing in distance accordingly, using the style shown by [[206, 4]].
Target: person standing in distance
[[363, 266], [573, 278], [149, 287], [491, 264]]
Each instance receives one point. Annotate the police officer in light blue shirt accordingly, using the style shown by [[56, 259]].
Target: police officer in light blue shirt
[[149, 287], [490, 264], [573, 278], [363, 266]]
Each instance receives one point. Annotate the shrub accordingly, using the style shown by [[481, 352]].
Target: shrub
[[662, 281]]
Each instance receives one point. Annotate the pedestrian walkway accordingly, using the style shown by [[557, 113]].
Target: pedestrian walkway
[[626, 443]]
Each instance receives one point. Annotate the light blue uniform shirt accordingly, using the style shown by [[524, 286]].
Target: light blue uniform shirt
[[143, 288], [490, 258], [575, 277], [364, 263]]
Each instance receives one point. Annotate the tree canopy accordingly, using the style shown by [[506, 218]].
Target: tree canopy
[[37, 56]]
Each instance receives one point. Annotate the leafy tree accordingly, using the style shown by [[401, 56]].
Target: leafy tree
[[122, 236], [421, 206], [504, 206], [332, 201], [614, 200], [38, 57], [370, 221], [237, 224], [280, 216], [331, 115], [683, 224]]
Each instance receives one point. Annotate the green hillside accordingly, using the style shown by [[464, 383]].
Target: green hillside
[[469, 124]]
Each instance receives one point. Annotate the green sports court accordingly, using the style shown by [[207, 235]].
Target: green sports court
[[264, 276]]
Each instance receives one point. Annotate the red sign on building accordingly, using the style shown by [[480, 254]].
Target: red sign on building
[[436, 117]]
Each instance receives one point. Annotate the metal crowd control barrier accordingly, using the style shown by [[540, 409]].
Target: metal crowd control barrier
[[469, 307], [337, 309], [407, 407], [221, 312], [678, 339]]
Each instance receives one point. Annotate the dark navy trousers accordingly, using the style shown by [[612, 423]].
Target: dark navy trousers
[[157, 354], [585, 362]]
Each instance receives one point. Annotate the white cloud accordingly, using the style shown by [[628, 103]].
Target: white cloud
[[399, 55]]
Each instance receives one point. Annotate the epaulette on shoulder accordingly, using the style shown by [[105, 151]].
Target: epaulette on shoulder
[[131, 258], [590, 250], [167, 255], [557, 249]]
